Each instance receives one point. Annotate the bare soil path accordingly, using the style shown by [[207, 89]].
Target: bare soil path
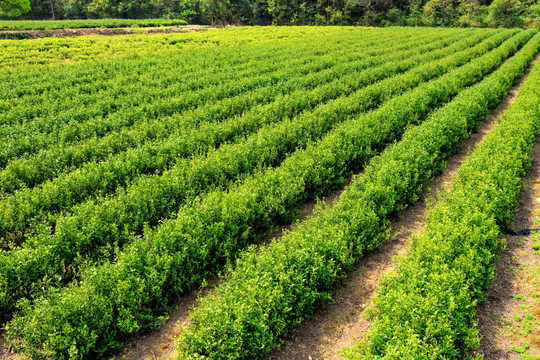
[[510, 320], [35, 34]]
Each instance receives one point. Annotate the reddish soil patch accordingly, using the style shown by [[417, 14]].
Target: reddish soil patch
[[35, 34], [5, 354], [160, 345]]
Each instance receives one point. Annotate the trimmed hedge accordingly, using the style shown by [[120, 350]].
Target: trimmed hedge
[[427, 309], [272, 289], [89, 317], [192, 133], [148, 200]]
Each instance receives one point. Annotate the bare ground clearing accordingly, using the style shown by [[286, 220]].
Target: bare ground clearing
[[36, 34]]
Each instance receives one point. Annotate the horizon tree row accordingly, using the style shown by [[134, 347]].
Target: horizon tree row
[[446, 13]]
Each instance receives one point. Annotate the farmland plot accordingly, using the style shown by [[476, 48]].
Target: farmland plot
[[129, 179]]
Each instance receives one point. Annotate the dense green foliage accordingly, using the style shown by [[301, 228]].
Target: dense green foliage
[[89, 23], [272, 289], [213, 49], [126, 275], [427, 308], [162, 195], [14, 7], [463, 13]]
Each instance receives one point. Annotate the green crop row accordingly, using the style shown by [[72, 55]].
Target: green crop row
[[87, 23], [61, 116], [80, 79], [48, 163], [17, 56], [188, 64], [169, 76], [97, 118], [427, 308], [95, 179], [90, 316], [151, 199], [273, 289]]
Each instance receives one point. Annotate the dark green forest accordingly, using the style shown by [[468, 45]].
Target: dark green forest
[[448, 13]]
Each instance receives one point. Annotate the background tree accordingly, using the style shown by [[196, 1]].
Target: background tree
[[261, 16], [464, 13], [441, 12], [532, 14], [505, 13], [14, 7], [471, 13]]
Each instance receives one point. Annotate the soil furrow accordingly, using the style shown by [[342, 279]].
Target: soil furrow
[[496, 317]]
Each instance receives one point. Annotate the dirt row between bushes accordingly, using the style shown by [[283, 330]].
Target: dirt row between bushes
[[36, 34], [510, 320]]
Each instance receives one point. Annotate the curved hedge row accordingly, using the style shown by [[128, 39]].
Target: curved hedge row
[[176, 74], [98, 179], [87, 318], [272, 289], [79, 79], [96, 117], [48, 163], [150, 199], [427, 308]]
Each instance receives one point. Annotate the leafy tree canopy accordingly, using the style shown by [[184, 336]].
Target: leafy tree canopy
[[14, 7]]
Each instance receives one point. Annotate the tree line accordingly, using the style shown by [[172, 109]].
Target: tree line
[[448, 13]]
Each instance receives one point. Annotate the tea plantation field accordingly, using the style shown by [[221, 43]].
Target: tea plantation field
[[134, 168]]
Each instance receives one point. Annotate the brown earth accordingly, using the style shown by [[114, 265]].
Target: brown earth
[[35, 34], [500, 320]]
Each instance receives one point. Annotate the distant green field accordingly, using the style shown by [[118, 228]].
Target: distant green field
[[90, 23], [53, 50]]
